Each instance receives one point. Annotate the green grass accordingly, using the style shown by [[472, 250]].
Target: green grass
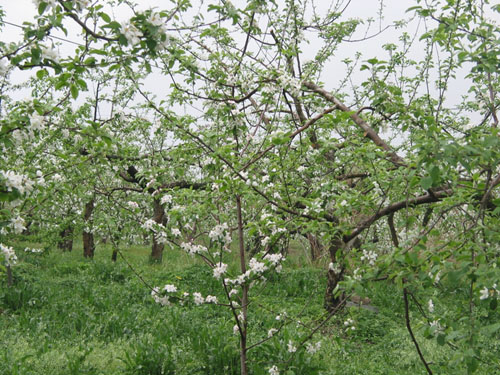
[[68, 315]]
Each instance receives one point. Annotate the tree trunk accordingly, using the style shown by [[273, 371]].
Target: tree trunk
[[88, 236], [66, 241], [316, 247], [114, 255], [335, 275], [10, 280], [338, 248], [158, 217], [244, 298]]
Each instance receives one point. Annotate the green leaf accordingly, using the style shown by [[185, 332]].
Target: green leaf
[[41, 7], [441, 339], [74, 91], [472, 364], [105, 17], [426, 182], [490, 329], [435, 174], [493, 304], [114, 25], [42, 73]]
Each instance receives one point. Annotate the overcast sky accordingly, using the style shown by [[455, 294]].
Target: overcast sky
[[19, 11]]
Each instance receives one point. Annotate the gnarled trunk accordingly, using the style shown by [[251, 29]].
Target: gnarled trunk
[[338, 250], [158, 217], [88, 236], [335, 274]]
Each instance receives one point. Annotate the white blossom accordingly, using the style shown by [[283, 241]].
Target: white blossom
[[485, 293], [219, 270], [256, 266], [218, 232], [9, 254], [17, 181], [18, 224], [313, 348], [167, 198], [369, 256], [170, 288], [211, 299], [435, 324], [148, 224], [198, 298], [349, 324], [132, 204], [271, 332], [176, 232], [155, 19], [431, 306], [36, 121], [335, 268], [33, 250], [290, 347], [49, 54], [162, 300], [274, 371], [275, 259], [131, 33]]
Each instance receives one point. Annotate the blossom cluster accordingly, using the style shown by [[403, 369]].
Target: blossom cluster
[[33, 250], [257, 268], [17, 224], [170, 294], [133, 204], [335, 268], [17, 181], [369, 256], [221, 233], [489, 292], [9, 255], [287, 82], [219, 270], [313, 348], [131, 33], [349, 324], [192, 248], [49, 53]]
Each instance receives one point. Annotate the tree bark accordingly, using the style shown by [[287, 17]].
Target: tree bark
[[10, 279], [66, 241], [244, 298], [88, 236], [332, 302], [316, 247], [158, 217]]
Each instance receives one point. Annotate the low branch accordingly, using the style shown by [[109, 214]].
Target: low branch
[[436, 196]]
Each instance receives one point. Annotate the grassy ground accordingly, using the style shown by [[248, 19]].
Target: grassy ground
[[66, 315]]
